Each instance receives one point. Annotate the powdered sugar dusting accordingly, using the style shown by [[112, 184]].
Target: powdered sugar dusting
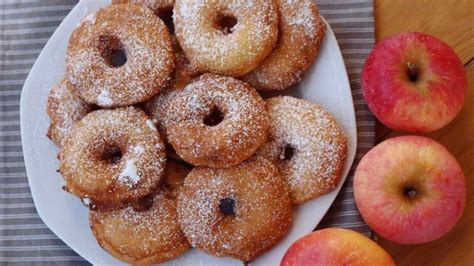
[[90, 18], [64, 109], [138, 150], [144, 40], [157, 109], [210, 49], [134, 175], [129, 174], [86, 201], [243, 129], [104, 98], [304, 16], [154, 5], [301, 34], [243, 235], [150, 124], [318, 144], [156, 230]]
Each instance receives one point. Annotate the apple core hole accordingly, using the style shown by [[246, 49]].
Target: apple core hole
[[118, 58], [227, 206], [226, 23], [410, 192], [413, 72], [166, 15], [112, 155], [214, 118], [111, 49], [287, 153]]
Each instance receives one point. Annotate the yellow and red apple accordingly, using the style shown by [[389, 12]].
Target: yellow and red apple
[[410, 189], [335, 246], [414, 82]]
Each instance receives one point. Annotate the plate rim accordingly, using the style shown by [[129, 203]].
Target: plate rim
[[23, 128]]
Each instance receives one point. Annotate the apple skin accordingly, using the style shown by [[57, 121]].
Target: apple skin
[[335, 246], [392, 170], [424, 105]]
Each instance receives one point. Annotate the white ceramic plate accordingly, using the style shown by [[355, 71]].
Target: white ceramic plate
[[326, 84]]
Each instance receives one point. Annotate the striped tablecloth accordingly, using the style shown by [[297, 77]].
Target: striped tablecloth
[[26, 25]]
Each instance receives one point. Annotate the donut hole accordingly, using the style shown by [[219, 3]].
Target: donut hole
[[214, 117], [111, 49], [112, 155], [226, 22], [166, 15], [287, 153], [227, 206]]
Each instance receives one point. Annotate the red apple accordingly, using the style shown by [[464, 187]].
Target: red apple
[[410, 189], [335, 246], [414, 82]]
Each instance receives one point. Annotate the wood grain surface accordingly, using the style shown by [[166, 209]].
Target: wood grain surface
[[453, 22]]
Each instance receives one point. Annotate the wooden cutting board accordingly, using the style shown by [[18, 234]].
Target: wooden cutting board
[[453, 22]]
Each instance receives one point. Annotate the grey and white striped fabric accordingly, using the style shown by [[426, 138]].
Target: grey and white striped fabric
[[353, 24], [26, 25]]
